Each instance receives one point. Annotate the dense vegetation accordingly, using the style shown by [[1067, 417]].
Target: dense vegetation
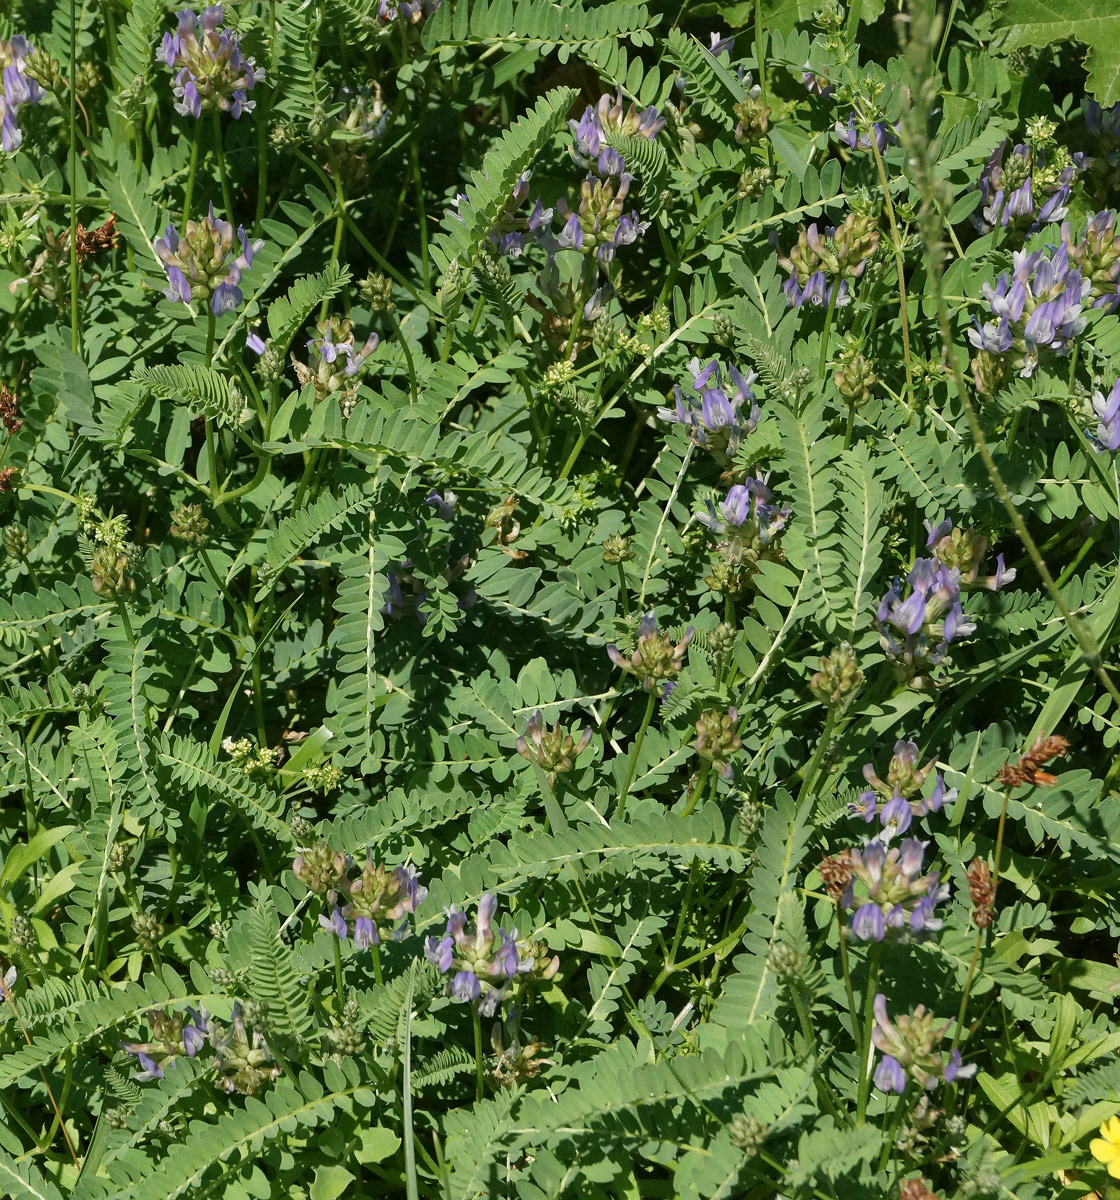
[[560, 599]]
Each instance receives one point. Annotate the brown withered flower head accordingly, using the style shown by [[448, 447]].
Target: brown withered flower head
[[836, 871], [9, 410], [1028, 770], [982, 892], [6, 478], [94, 241]]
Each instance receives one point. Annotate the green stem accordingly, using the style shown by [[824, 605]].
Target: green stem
[[900, 265], [828, 330], [866, 1047], [760, 59], [477, 1052], [339, 987], [635, 750], [959, 1031], [698, 791], [126, 622], [192, 170], [375, 954], [623, 590], [75, 278], [818, 755], [402, 341], [846, 971], [220, 149], [421, 213]]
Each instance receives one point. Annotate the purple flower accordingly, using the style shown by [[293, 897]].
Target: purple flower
[[483, 961], [857, 138], [1107, 409], [209, 71], [721, 45], [335, 923], [1011, 185], [889, 894], [718, 417], [889, 1075], [16, 90], [194, 1033], [909, 1046], [202, 264]]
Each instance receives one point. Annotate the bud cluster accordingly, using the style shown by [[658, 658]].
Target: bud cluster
[[898, 799], [655, 658], [749, 526], [717, 739], [908, 1049], [339, 362], [839, 677], [551, 748], [822, 264]]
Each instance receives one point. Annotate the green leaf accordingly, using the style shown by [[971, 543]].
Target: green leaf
[[1094, 23]]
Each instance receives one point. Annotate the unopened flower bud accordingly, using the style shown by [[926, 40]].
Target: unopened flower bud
[[147, 930], [22, 932], [784, 960], [188, 523], [118, 856], [320, 869], [839, 676], [302, 830], [748, 818], [553, 749], [747, 1132], [723, 329], [721, 640], [109, 572], [16, 542], [377, 291], [753, 119], [717, 739], [616, 549], [855, 377]]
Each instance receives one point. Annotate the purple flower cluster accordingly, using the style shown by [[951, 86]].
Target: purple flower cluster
[[410, 11], [908, 1049], [655, 658], [964, 550], [855, 137], [594, 129], [889, 893], [202, 265], [171, 1036], [718, 416], [16, 90], [1107, 409], [1096, 255], [917, 629], [210, 72], [1037, 310], [485, 963], [823, 265], [379, 898], [748, 515], [898, 800], [1015, 189]]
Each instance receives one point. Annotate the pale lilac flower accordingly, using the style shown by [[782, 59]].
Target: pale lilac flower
[[16, 90], [203, 263], [1107, 409], [210, 72], [908, 1045]]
